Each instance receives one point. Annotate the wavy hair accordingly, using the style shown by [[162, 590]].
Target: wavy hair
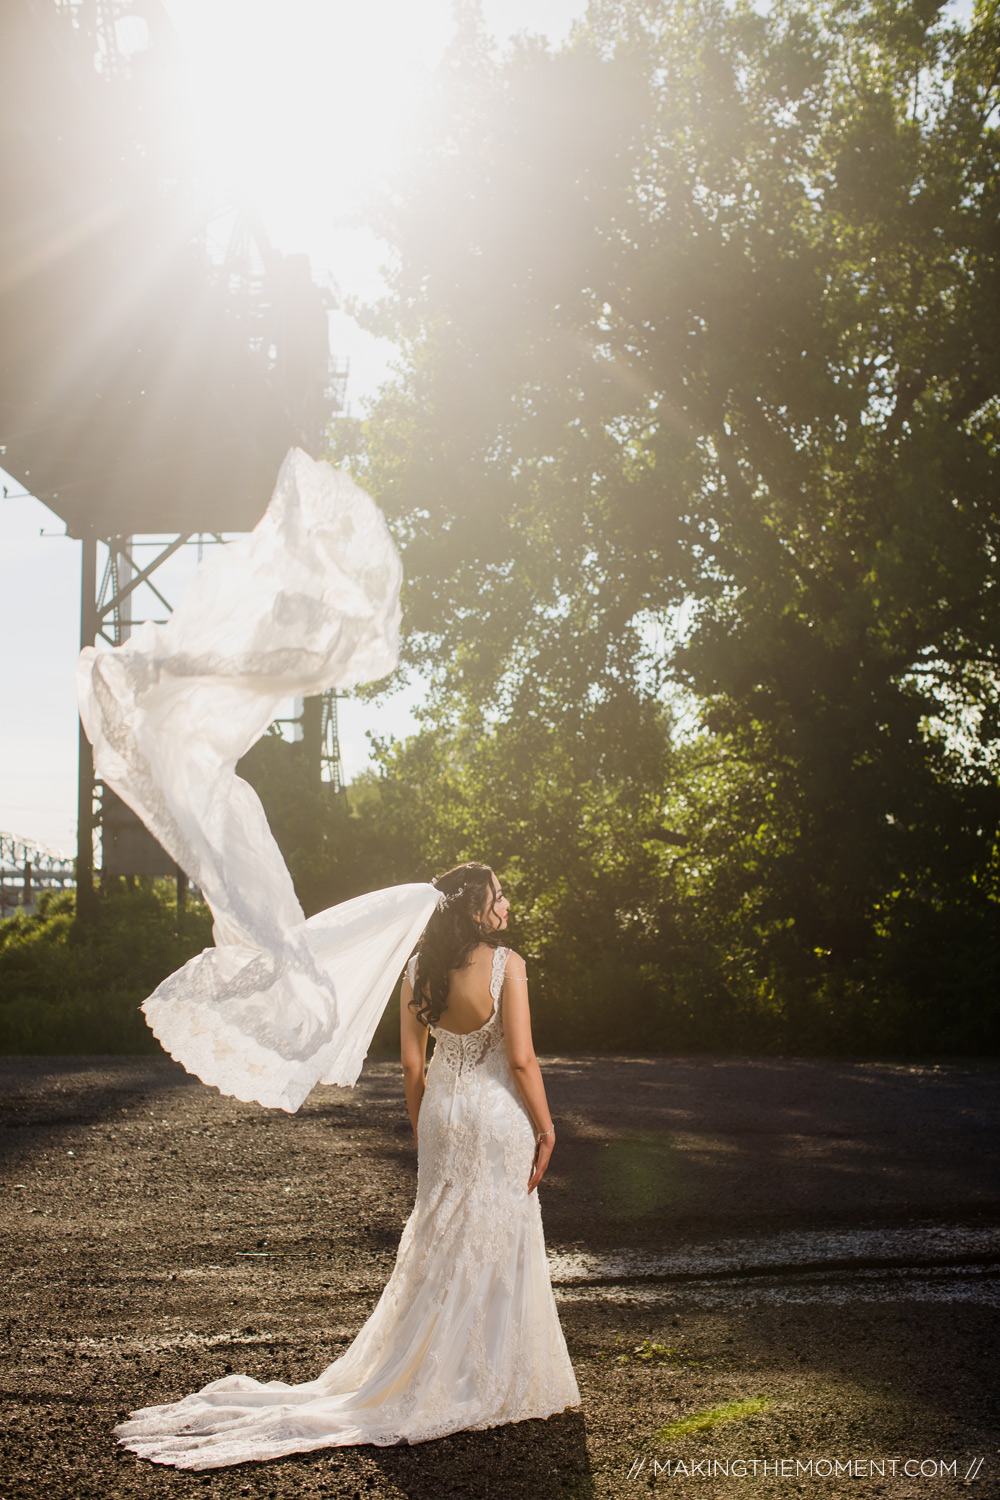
[[451, 934]]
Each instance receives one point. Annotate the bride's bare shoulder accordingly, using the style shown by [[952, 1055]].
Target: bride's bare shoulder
[[486, 953], [484, 957]]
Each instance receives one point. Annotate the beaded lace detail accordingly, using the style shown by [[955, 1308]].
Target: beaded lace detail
[[466, 1333]]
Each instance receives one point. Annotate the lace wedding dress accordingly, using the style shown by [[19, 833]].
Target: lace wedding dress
[[466, 1333]]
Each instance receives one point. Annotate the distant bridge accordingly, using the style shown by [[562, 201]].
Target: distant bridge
[[26, 868]]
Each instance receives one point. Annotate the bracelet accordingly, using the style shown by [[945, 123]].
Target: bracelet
[[544, 1133]]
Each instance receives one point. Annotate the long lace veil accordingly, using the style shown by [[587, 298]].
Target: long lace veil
[[308, 601]]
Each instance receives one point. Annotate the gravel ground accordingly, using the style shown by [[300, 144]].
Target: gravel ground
[[799, 1258]]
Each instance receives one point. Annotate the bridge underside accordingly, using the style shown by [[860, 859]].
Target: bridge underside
[[144, 388], [132, 398]]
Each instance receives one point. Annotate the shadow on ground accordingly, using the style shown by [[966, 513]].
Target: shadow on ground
[[156, 1236]]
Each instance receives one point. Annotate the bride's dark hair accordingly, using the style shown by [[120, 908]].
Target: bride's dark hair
[[452, 931]]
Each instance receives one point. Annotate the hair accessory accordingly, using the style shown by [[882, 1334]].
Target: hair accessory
[[451, 898]]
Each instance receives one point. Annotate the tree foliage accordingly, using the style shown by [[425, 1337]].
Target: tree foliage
[[76, 987], [700, 395]]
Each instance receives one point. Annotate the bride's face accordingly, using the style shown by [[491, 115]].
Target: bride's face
[[494, 916]]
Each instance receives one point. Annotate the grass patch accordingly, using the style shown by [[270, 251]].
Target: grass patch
[[651, 1353], [700, 1421], [640, 1174]]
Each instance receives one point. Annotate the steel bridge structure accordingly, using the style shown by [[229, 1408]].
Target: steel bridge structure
[[26, 868], [158, 356]]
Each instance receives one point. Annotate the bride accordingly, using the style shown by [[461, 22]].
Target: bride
[[466, 1333]]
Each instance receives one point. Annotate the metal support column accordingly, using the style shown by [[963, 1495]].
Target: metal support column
[[86, 897], [333, 765], [312, 737]]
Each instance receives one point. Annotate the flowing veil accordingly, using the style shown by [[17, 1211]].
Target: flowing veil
[[308, 601]]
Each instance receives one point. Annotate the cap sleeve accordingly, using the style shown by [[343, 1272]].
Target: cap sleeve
[[500, 956]]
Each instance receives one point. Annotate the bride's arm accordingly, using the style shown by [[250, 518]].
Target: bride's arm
[[524, 1063], [413, 1051]]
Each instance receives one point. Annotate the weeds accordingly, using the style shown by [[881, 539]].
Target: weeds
[[651, 1353]]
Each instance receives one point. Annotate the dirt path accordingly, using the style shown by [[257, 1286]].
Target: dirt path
[[802, 1256]]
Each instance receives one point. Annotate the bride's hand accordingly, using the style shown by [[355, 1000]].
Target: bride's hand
[[542, 1157]]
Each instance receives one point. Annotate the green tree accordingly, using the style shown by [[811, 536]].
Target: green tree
[[700, 392]]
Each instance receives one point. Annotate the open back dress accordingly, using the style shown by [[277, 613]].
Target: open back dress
[[466, 1333]]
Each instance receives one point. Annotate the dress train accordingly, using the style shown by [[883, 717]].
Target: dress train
[[466, 1333]]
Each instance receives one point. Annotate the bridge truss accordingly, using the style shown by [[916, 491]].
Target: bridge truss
[[26, 868]]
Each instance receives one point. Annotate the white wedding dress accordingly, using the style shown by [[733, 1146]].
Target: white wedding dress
[[466, 1333]]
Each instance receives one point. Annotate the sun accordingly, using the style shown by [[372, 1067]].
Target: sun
[[301, 106]]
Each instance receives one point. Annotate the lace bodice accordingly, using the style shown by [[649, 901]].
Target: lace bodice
[[468, 1049]]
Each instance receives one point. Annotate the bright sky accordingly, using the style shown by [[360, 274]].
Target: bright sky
[[302, 104]]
